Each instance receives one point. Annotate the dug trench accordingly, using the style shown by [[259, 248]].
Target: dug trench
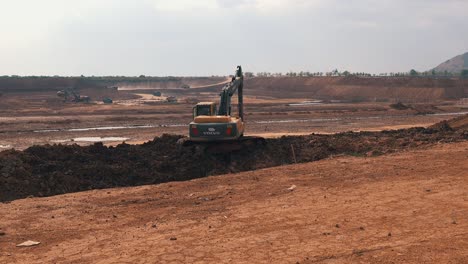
[[56, 169]]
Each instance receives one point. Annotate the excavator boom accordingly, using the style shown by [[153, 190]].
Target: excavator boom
[[236, 84]]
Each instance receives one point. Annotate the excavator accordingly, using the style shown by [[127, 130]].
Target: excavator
[[70, 94], [215, 128]]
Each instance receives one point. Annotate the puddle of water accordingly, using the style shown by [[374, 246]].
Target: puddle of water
[[99, 139], [60, 140], [102, 128], [446, 114], [297, 120], [90, 139], [347, 118], [108, 128], [46, 130], [315, 102], [304, 104], [256, 122]]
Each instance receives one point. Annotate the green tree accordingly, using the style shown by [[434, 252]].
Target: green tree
[[249, 74], [464, 74], [413, 72]]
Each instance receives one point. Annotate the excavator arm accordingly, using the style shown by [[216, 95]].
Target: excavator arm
[[236, 85]]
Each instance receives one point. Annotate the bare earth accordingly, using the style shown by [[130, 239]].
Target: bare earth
[[22, 128], [273, 107], [408, 207]]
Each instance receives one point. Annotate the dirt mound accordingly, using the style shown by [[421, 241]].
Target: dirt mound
[[459, 123], [420, 109], [399, 106], [50, 170], [442, 126]]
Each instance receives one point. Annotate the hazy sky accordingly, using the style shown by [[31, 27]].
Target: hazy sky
[[211, 37]]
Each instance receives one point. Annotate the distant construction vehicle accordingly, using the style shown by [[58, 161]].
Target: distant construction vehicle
[[70, 95], [107, 100], [215, 127], [186, 86]]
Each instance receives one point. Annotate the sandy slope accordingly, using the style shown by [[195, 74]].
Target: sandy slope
[[408, 207]]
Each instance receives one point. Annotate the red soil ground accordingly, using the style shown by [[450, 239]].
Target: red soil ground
[[406, 207]]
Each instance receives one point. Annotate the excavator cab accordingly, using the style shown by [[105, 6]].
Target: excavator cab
[[205, 109]]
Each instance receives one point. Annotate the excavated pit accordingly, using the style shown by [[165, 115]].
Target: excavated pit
[[56, 169]]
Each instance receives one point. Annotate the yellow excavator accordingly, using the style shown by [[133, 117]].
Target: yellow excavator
[[215, 127]]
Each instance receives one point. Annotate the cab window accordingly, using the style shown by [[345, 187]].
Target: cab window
[[204, 110]]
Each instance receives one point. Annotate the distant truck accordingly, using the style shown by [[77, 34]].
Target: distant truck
[[156, 93], [186, 86], [107, 101]]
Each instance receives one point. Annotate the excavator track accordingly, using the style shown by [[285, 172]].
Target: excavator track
[[224, 146]]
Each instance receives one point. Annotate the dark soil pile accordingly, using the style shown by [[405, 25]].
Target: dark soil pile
[[399, 106], [459, 123], [50, 170]]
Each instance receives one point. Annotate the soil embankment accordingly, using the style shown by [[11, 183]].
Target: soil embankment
[[406, 89], [50, 170]]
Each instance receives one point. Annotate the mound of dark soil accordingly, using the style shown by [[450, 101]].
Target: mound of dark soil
[[442, 126], [50, 170], [399, 106], [459, 123]]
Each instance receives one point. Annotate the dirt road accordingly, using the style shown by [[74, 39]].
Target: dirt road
[[407, 207]]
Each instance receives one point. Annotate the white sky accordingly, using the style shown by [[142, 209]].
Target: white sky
[[211, 37]]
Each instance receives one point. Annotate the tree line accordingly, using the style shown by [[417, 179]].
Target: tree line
[[336, 72]]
